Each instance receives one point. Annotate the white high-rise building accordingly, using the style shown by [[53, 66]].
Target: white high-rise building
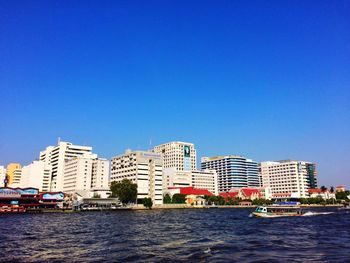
[[100, 174], [143, 168], [233, 171], [85, 173], [2, 175], [289, 178], [37, 175], [178, 155], [56, 157]]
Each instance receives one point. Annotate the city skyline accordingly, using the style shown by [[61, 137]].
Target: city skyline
[[268, 81]]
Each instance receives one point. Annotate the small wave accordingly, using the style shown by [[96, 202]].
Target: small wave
[[317, 213], [250, 215]]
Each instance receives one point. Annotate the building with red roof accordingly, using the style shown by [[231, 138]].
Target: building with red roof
[[318, 193], [193, 195]]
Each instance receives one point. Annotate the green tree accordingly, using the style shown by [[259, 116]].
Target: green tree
[[332, 189], [342, 195], [167, 199], [125, 190], [220, 200], [323, 188], [147, 202], [179, 199]]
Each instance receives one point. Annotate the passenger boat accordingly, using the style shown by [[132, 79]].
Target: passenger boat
[[277, 211]]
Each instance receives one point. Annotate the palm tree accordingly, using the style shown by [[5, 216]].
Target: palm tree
[[323, 188]]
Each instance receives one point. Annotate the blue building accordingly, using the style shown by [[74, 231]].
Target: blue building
[[233, 171]]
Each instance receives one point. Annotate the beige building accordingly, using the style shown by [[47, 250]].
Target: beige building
[[206, 179], [16, 178], [178, 155], [11, 170]]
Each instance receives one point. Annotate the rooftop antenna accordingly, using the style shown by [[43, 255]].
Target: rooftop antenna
[[150, 142]]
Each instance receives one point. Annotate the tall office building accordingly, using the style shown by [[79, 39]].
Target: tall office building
[[56, 157], [11, 170], [37, 175], [178, 155], [233, 171], [289, 178], [85, 173], [143, 168]]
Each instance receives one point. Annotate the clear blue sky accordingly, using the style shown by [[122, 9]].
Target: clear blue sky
[[269, 80]]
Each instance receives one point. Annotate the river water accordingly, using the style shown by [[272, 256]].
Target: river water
[[182, 235]]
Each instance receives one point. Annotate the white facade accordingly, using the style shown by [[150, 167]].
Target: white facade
[[56, 157], [84, 173], [37, 175], [178, 155], [206, 179], [2, 175], [100, 174], [175, 178], [288, 178], [143, 168]]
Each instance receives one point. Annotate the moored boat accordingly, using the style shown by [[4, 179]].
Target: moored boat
[[277, 211]]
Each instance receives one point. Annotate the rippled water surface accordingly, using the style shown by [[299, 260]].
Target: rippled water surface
[[188, 235]]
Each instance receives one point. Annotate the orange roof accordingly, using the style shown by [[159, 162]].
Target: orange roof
[[229, 195], [250, 191]]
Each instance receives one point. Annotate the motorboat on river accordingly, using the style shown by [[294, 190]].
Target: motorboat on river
[[277, 211]]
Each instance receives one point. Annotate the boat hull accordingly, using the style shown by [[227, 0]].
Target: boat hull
[[274, 215]]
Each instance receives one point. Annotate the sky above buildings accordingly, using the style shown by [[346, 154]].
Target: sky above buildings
[[268, 80]]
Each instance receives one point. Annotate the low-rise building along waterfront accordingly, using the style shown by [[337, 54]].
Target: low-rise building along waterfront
[[206, 179], [144, 169]]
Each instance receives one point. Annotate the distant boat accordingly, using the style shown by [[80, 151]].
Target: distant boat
[[277, 211]]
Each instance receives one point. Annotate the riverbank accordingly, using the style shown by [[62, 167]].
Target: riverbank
[[168, 206]]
